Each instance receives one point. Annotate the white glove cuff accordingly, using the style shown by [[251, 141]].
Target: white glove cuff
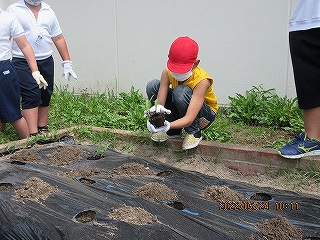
[[66, 62]]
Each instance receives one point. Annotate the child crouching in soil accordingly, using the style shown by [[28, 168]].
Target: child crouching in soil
[[185, 94]]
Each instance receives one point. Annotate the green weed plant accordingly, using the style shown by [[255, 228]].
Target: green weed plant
[[260, 107]]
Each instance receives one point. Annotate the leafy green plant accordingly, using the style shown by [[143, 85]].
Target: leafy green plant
[[216, 132], [102, 150], [249, 108], [259, 107]]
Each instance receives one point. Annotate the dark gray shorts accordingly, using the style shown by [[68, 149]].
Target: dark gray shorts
[[31, 95], [9, 93], [305, 55]]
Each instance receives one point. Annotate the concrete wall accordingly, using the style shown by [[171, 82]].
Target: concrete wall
[[118, 44]]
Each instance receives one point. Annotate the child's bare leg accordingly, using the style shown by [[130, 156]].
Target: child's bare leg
[[311, 119], [31, 116], [21, 127], [43, 116]]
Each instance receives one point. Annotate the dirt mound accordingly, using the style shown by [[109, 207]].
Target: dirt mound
[[134, 215], [222, 194], [34, 189], [61, 156], [88, 172], [156, 191], [65, 155], [279, 228], [27, 155]]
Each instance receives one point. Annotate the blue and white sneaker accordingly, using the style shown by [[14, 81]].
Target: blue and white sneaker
[[301, 146]]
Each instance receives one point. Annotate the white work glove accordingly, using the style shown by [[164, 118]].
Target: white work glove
[[68, 70], [39, 79], [164, 128], [159, 109]]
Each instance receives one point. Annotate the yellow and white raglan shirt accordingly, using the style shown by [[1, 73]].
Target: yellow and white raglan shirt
[[198, 74]]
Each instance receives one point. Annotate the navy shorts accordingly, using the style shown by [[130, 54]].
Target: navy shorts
[[9, 93], [31, 95], [305, 55]]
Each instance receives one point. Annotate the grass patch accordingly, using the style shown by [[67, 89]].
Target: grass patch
[[126, 112], [300, 178]]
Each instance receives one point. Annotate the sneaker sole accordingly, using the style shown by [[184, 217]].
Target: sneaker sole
[[193, 145], [312, 153], [163, 140]]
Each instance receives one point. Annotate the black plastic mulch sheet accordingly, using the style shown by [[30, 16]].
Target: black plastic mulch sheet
[[192, 216]]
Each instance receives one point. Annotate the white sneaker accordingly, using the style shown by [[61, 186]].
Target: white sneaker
[[191, 141], [162, 136]]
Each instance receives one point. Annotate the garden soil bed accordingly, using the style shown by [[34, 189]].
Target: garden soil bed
[[204, 164], [37, 190]]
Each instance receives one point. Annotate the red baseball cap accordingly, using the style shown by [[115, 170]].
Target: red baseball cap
[[182, 55]]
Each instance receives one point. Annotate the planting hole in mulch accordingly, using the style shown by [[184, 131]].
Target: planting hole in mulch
[[133, 215], [279, 228], [261, 197], [164, 173], [223, 194], [18, 163], [132, 169], [85, 216], [95, 157], [176, 205], [5, 186], [86, 180], [156, 191]]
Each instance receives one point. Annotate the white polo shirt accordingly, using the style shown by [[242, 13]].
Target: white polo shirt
[[305, 16], [38, 32], [10, 28]]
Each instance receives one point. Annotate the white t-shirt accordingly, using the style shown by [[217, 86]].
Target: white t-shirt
[[38, 32], [10, 28], [305, 16]]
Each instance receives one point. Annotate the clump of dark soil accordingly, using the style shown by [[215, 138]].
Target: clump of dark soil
[[81, 173], [157, 119], [133, 215], [156, 191], [132, 169], [27, 155], [279, 228], [34, 189], [223, 194]]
